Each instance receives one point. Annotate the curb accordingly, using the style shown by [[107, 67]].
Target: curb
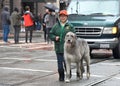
[[22, 34]]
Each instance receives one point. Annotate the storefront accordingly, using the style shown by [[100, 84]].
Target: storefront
[[37, 6], [34, 4]]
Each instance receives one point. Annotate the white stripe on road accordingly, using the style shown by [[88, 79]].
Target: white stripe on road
[[45, 60], [99, 76], [10, 47], [14, 59], [23, 69], [117, 77], [111, 64]]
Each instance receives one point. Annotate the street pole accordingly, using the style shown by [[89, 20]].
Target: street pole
[[62, 4], [1, 3], [36, 8], [11, 6]]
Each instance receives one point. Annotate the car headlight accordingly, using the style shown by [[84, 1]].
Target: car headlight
[[110, 30]]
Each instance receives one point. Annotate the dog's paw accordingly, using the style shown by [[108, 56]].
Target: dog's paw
[[88, 75], [67, 80], [77, 78]]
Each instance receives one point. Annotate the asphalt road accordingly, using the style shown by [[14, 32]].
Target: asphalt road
[[34, 64]]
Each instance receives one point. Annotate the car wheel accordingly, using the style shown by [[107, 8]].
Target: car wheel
[[116, 51], [91, 53]]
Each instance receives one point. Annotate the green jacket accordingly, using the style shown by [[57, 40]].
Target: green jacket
[[57, 30], [16, 18]]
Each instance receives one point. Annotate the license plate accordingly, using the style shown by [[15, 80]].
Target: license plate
[[104, 46]]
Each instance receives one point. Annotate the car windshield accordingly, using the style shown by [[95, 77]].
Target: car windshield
[[94, 7]]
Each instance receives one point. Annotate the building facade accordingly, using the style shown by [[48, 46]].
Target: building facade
[[37, 6]]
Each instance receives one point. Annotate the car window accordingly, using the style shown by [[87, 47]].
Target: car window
[[93, 7]]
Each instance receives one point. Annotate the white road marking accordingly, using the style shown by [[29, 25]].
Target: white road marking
[[117, 77], [111, 64], [23, 69], [45, 60], [9, 47], [99, 76], [14, 59]]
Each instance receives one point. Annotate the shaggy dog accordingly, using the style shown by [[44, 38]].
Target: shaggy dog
[[75, 51]]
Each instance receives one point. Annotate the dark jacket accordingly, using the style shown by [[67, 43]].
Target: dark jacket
[[16, 18], [5, 16], [58, 31]]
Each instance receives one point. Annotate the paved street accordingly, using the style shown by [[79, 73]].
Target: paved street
[[34, 64]]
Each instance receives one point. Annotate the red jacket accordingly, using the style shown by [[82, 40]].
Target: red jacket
[[28, 21]]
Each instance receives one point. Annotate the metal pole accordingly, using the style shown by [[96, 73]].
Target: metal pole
[[1, 3], [36, 8], [62, 4], [11, 6]]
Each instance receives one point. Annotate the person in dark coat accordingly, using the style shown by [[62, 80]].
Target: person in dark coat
[[50, 20], [5, 18], [16, 21], [44, 25]]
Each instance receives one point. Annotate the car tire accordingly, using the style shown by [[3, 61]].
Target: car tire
[[91, 55], [116, 51]]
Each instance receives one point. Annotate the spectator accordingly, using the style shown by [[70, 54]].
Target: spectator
[[57, 34], [37, 22], [28, 23], [16, 21], [5, 18], [44, 25], [50, 20]]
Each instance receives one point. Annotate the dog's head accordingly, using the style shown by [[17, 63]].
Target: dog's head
[[70, 38]]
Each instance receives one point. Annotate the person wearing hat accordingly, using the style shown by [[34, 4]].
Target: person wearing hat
[[57, 34]]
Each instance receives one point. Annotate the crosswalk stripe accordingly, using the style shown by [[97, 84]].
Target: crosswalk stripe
[[45, 60], [23, 69]]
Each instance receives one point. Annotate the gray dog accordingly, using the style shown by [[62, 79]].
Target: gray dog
[[75, 51]]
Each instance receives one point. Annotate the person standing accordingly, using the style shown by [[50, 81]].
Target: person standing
[[5, 18], [28, 23], [37, 21], [44, 25], [57, 34], [16, 21], [50, 20]]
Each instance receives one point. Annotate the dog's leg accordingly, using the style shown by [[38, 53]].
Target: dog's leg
[[68, 67], [78, 71], [82, 68], [87, 60]]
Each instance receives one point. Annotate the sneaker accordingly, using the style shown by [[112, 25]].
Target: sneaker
[[61, 79], [6, 43]]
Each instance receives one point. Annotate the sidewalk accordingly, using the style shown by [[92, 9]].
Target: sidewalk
[[22, 34], [37, 44]]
